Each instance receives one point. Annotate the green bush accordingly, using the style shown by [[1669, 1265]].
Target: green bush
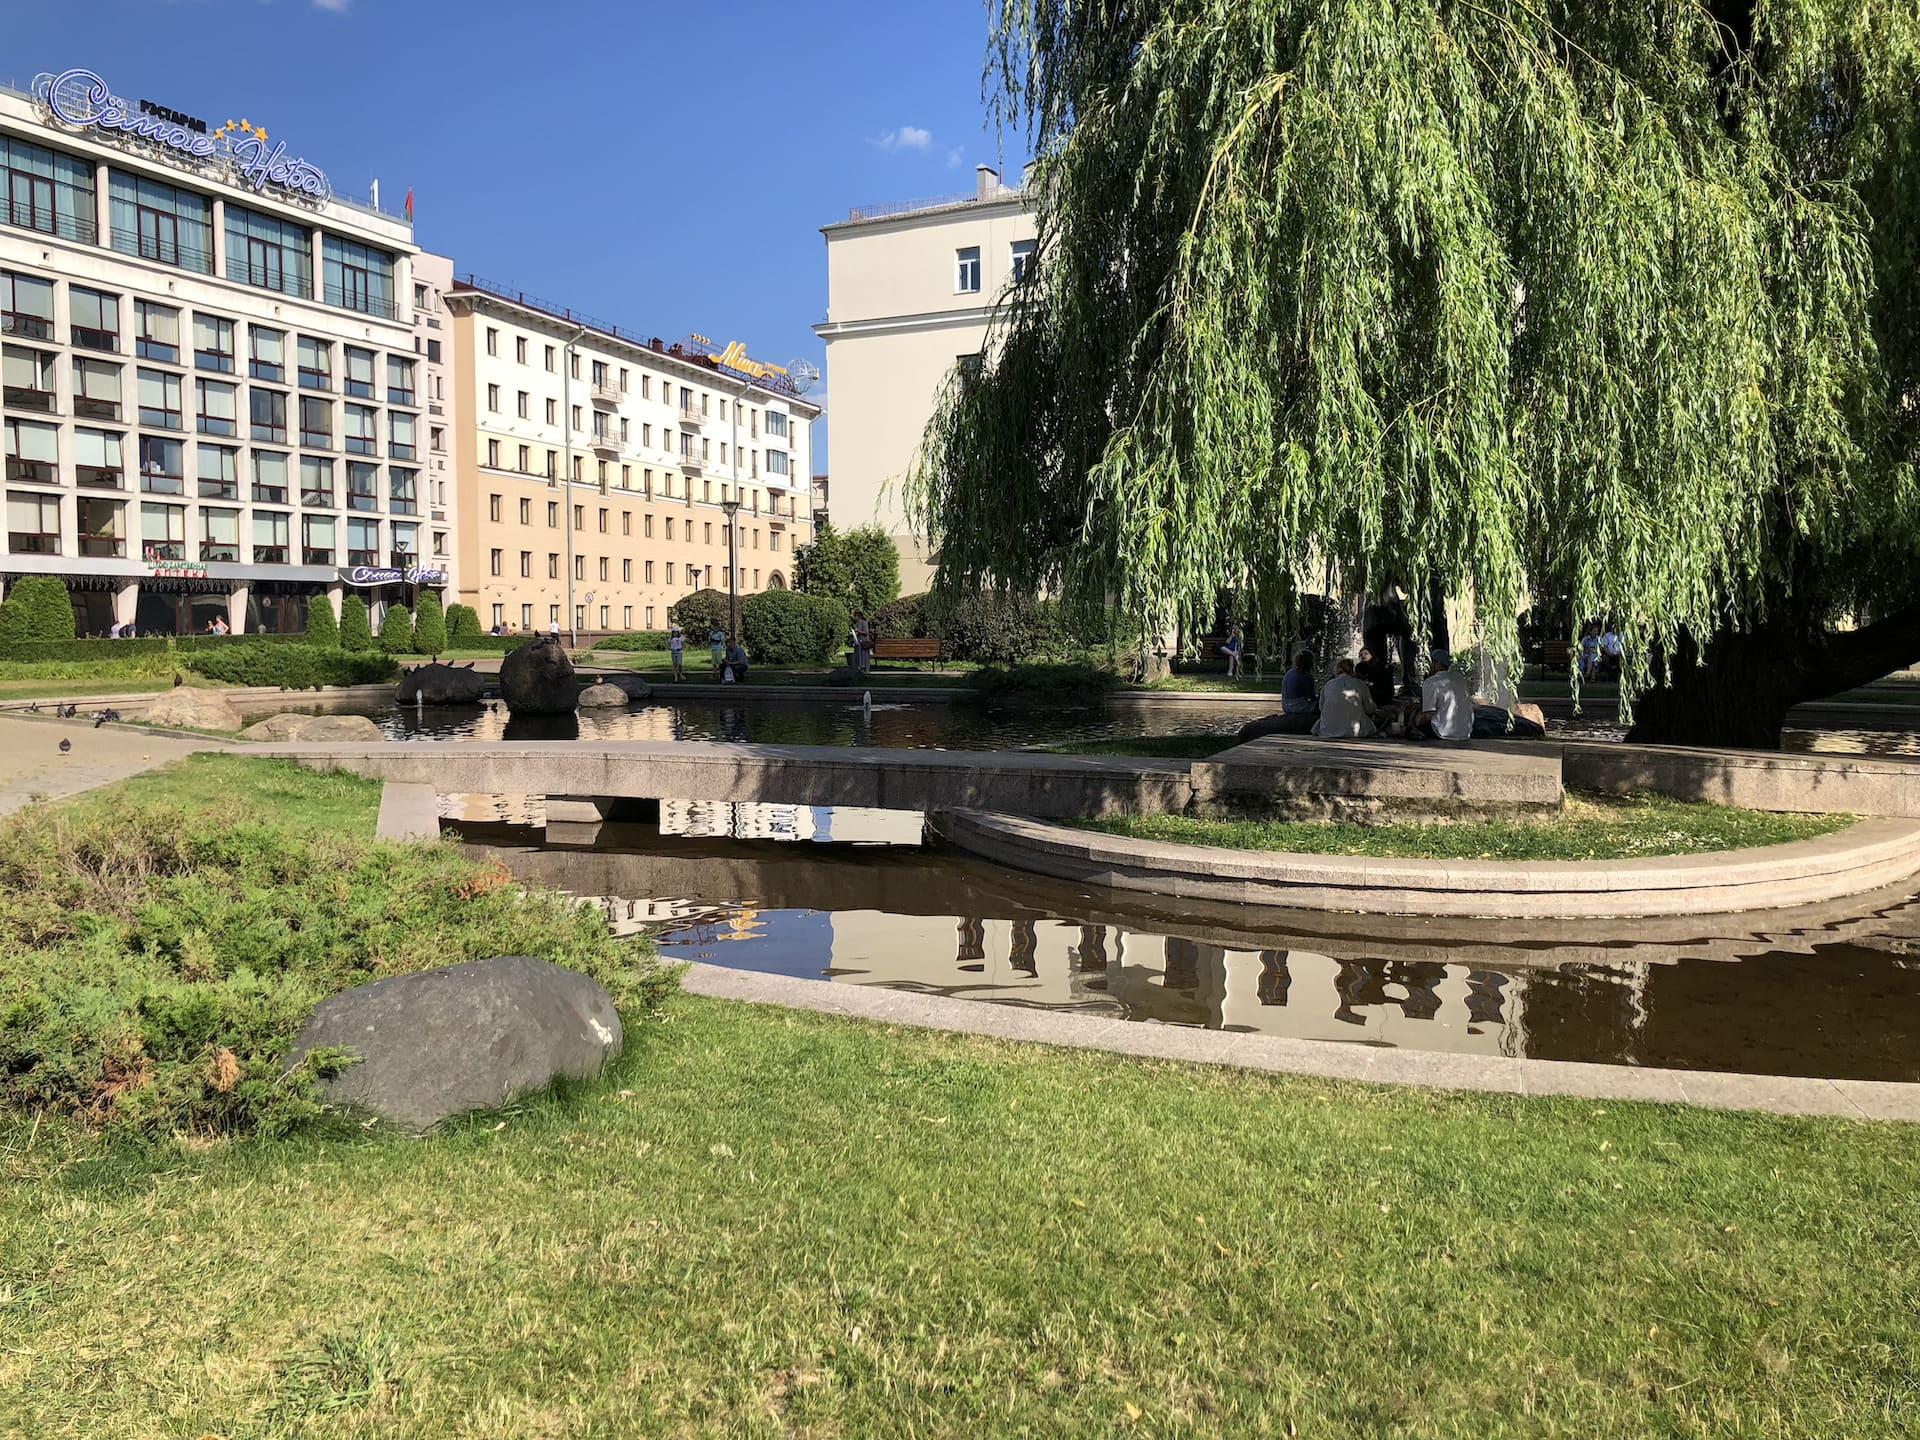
[[699, 613], [1063, 684], [429, 625], [396, 631], [156, 665], [994, 629], [323, 626], [356, 626], [860, 567], [37, 609], [907, 618], [99, 648], [634, 640], [291, 667], [157, 959], [784, 627], [463, 627]]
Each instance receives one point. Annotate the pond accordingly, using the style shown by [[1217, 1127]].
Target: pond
[[856, 898]]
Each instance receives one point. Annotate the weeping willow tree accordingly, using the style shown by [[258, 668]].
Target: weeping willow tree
[[1608, 303]]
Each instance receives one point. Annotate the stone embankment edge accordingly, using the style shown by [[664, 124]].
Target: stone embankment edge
[[1332, 1060], [1863, 857]]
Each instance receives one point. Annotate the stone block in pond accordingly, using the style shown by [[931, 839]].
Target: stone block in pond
[[439, 684], [538, 679]]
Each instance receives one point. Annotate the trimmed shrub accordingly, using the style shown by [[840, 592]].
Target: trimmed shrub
[[36, 609], [99, 648], [700, 612], [1069, 684], [429, 626], [291, 667], [396, 630], [463, 627], [907, 618], [784, 627], [993, 629], [356, 626], [859, 567], [323, 626], [634, 640]]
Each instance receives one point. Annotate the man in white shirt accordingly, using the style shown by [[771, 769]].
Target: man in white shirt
[[1346, 707], [1446, 703]]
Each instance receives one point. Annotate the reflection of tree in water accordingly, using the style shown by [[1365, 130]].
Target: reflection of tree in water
[[1486, 997], [1275, 979], [1091, 953], [970, 951], [1363, 983], [541, 727], [1023, 950]]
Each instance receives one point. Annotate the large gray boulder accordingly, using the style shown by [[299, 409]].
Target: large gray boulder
[[313, 728], [461, 1038], [537, 679], [603, 696], [439, 684], [193, 710]]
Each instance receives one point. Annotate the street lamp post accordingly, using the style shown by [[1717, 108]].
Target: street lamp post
[[731, 509], [566, 473]]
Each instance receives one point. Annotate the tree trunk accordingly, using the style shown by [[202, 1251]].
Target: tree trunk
[[1751, 678]]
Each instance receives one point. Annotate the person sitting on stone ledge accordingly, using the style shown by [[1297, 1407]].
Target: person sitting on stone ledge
[[1297, 688], [1347, 711], [1446, 702]]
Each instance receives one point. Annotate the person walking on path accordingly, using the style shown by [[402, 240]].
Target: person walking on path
[[862, 643], [677, 648]]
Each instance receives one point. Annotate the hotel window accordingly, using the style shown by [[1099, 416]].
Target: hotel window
[[363, 486], [493, 343], [33, 451], [1020, 256], [494, 557], [601, 468], [526, 512], [160, 222], [317, 534], [400, 435], [603, 567], [46, 190], [315, 359], [626, 522], [603, 520], [493, 508], [553, 566], [553, 412], [269, 358], [26, 307], [706, 532], [28, 377], [160, 466], [399, 380], [269, 254], [437, 438], [626, 477], [493, 454], [359, 373], [646, 526], [156, 332], [362, 436], [526, 616], [626, 617], [363, 542], [553, 616], [159, 399], [603, 617], [646, 434], [403, 491], [777, 462], [576, 419], [526, 462], [574, 365], [526, 564], [550, 353], [670, 572], [669, 536], [93, 318], [649, 617], [358, 276], [524, 404], [646, 387], [267, 415], [966, 270], [316, 481], [626, 572], [218, 406], [647, 571], [493, 398], [163, 532], [271, 536], [579, 567], [269, 477], [218, 472], [98, 459], [777, 423], [316, 422], [520, 349], [212, 343], [553, 514]]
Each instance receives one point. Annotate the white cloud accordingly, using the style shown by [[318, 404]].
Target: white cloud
[[955, 157], [907, 137], [336, 7]]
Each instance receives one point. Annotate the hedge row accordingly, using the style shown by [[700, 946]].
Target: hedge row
[[100, 649], [636, 640], [301, 667]]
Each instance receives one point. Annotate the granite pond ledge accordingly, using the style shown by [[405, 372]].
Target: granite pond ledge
[[1862, 857], [1334, 1060]]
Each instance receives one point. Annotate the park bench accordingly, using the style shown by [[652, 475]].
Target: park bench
[[907, 647]]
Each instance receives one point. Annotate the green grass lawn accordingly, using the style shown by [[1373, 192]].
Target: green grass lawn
[[767, 1224], [1591, 827]]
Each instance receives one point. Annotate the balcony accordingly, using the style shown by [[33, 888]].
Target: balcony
[[218, 550], [605, 392], [606, 443], [692, 464], [24, 397], [690, 419]]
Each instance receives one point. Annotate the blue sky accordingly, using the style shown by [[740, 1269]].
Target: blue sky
[[665, 166]]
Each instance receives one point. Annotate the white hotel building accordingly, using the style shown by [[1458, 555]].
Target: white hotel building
[[214, 380]]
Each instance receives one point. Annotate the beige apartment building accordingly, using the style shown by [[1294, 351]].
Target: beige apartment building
[[667, 446], [910, 290]]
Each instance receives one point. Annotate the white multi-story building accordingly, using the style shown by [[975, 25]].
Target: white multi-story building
[[683, 458], [213, 370], [911, 290]]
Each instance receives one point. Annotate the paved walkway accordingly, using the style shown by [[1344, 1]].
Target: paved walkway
[[32, 767], [1775, 1094]]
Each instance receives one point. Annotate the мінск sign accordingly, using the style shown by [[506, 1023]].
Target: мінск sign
[[368, 575], [81, 100]]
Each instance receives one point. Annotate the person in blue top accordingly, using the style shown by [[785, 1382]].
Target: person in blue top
[[1297, 690], [1236, 642]]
